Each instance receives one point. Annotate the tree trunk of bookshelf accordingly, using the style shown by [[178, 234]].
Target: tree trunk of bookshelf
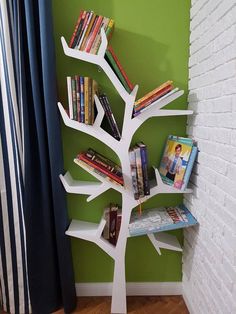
[[119, 279]]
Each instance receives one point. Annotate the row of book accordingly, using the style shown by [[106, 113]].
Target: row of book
[[81, 91], [87, 31], [139, 170], [112, 216], [159, 93], [177, 161], [160, 219], [101, 165]]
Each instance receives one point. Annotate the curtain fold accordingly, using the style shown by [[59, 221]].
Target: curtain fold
[[35, 264]]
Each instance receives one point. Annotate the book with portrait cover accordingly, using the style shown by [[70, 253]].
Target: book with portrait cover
[[175, 160], [160, 219]]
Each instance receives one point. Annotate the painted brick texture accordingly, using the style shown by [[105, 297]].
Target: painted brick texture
[[209, 259]]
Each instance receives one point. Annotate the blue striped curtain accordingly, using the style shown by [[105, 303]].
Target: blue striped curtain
[[35, 259]]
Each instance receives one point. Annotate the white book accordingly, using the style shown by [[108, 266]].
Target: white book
[[69, 92]]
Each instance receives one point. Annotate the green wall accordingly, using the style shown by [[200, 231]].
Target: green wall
[[151, 39]]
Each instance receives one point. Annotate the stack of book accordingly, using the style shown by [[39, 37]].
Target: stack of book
[[118, 69], [112, 215], [139, 170], [159, 93], [160, 219], [81, 91], [101, 165], [109, 116], [177, 161], [87, 32]]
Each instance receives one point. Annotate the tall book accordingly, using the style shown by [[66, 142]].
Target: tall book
[[69, 94], [133, 169], [110, 117], [144, 162], [189, 168]]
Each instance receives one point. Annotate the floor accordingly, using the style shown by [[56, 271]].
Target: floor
[[135, 305]]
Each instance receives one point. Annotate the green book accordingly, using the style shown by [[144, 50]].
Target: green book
[[117, 71]]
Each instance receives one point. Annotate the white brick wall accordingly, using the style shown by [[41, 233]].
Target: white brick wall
[[209, 259]]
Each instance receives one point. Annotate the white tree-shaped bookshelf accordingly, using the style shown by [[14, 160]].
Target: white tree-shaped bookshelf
[[92, 231]]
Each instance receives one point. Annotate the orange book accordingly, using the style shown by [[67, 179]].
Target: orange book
[[152, 92], [154, 97]]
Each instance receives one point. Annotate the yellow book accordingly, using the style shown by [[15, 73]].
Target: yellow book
[[152, 92], [86, 100]]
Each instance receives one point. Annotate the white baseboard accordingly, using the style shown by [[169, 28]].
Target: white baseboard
[[133, 288], [188, 304]]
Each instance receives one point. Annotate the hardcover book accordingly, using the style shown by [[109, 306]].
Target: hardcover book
[[160, 219], [175, 160]]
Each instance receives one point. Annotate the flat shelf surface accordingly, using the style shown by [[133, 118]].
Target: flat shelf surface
[[81, 229]]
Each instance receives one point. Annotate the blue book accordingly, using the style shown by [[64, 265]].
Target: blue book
[[189, 167], [144, 160], [160, 219], [82, 112]]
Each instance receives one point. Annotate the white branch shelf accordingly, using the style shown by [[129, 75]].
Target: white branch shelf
[[91, 232]]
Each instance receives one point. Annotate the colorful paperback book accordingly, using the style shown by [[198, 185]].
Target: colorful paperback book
[[175, 160], [160, 219]]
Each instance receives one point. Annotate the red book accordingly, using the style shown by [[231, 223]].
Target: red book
[[94, 33], [153, 98], [93, 164], [131, 86], [76, 28]]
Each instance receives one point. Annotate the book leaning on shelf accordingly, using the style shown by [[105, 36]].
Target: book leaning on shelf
[[112, 215], [153, 97], [87, 31], [160, 219], [109, 116], [81, 91], [139, 170], [177, 161], [101, 165]]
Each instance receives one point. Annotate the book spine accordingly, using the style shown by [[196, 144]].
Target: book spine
[[153, 98], [117, 70], [139, 171], [155, 102], [189, 168], [152, 92], [83, 164], [131, 86], [90, 101], [118, 223], [81, 99], [86, 100], [103, 164], [98, 39], [78, 97], [110, 116], [94, 33], [69, 93], [81, 31], [87, 30], [84, 28], [112, 224], [74, 103], [76, 29], [100, 168], [110, 29], [144, 161], [106, 160], [133, 169], [94, 91], [105, 232]]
